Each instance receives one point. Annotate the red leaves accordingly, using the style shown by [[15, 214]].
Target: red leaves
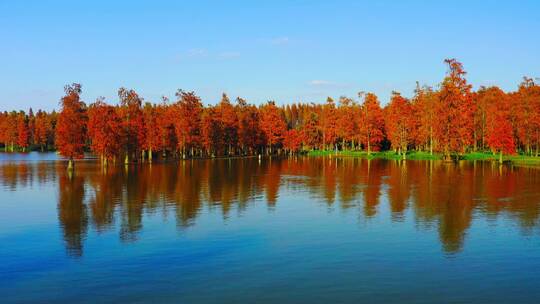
[[42, 129], [454, 110], [187, 120], [105, 130], [71, 125], [272, 125], [450, 120], [499, 135], [371, 123], [293, 140], [23, 134], [399, 122]]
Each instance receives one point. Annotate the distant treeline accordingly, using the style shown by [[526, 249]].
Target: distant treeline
[[451, 119]]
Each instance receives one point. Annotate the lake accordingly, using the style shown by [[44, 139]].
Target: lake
[[291, 230]]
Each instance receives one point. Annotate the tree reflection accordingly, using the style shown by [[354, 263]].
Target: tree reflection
[[438, 196], [72, 212]]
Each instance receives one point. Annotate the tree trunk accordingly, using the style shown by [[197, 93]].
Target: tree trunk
[[70, 164], [431, 141]]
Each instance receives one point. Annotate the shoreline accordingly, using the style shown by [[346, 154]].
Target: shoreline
[[419, 155]]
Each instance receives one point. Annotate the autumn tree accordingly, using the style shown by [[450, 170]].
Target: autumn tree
[[454, 111], [311, 133], [105, 130], [153, 141], [250, 135], [133, 130], [71, 125], [399, 123], [187, 123], [211, 132], [272, 125], [23, 133], [42, 129], [423, 103], [499, 133], [347, 126], [527, 115], [371, 122], [328, 123], [229, 121], [292, 141]]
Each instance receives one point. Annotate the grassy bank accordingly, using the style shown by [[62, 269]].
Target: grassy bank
[[419, 155]]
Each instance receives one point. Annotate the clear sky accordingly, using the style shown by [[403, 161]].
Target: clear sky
[[287, 51]]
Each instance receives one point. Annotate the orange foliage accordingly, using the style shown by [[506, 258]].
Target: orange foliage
[[71, 125]]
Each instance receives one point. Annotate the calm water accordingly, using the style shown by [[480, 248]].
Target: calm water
[[317, 230]]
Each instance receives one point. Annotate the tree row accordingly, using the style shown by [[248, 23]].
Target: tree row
[[451, 119]]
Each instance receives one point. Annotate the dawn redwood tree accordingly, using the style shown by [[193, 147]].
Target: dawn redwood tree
[[187, 122], [454, 111], [499, 133], [229, 121], [272, 125], [211, 132], [250, 135], [399, 123], [23, 133], [10, 130], [346, 123], [3, 122], [311, 134], [71, 125], [372, 122], [133, 130], [292, 141], [166, 118], [31, 122], [42, 129], [527, 115], [328, 123], [153, 141], [424, 102], [104, 130]]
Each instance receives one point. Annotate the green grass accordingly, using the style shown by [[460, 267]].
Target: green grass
[[420, 155], [480, 156], [380, 155]]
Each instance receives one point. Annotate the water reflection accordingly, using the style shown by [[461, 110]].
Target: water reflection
[[443, 197]]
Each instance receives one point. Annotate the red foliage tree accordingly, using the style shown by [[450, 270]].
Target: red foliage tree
[[328, 123], [71, 125], [424, 103], [527, 115], [133, 133], [399, 123], [153, 141], [346, 123], [250, 135], [23, 133], [311, 134], [104, 130], [292, 141], [212, 132], [272, 125], [454, 111], [371, 123], [187, 122], [42, 129], [229, 121]]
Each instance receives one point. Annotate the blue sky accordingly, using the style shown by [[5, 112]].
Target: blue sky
[[287, 51]]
